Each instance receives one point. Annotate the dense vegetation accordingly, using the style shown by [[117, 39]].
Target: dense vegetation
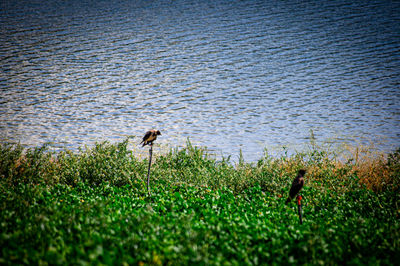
[[92, 206]]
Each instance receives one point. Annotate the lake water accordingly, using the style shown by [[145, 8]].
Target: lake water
[[231, 75]]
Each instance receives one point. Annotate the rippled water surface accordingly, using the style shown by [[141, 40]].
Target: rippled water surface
[[230, 75]]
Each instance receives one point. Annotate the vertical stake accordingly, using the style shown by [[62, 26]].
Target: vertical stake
[[148, 171], [299, 198]]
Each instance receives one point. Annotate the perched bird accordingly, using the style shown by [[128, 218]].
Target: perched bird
[[150, 136], [297, 185]]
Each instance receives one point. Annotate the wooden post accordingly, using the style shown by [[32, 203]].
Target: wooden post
[[148, 171], [299, 198]]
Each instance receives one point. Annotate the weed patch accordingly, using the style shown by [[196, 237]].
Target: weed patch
[[92, 207]]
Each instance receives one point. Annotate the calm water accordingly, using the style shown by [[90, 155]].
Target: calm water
[[229, 74]]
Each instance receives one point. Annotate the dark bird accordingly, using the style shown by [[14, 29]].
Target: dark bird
[[150, 136], [297, 185]]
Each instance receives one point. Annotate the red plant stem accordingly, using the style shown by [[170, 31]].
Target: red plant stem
[[299, 198]]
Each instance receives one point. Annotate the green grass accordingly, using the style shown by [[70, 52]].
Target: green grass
[[91, 207]]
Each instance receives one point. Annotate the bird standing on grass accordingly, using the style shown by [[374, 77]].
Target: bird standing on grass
[[150, 136], [297, 185]]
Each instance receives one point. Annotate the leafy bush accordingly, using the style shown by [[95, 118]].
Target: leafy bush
[[92, 207]]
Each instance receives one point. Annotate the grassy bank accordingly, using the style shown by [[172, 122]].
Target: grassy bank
[[92, 207]]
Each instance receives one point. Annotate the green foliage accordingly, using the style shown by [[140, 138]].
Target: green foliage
[[394, 165], [91, 207], [102, 163]]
